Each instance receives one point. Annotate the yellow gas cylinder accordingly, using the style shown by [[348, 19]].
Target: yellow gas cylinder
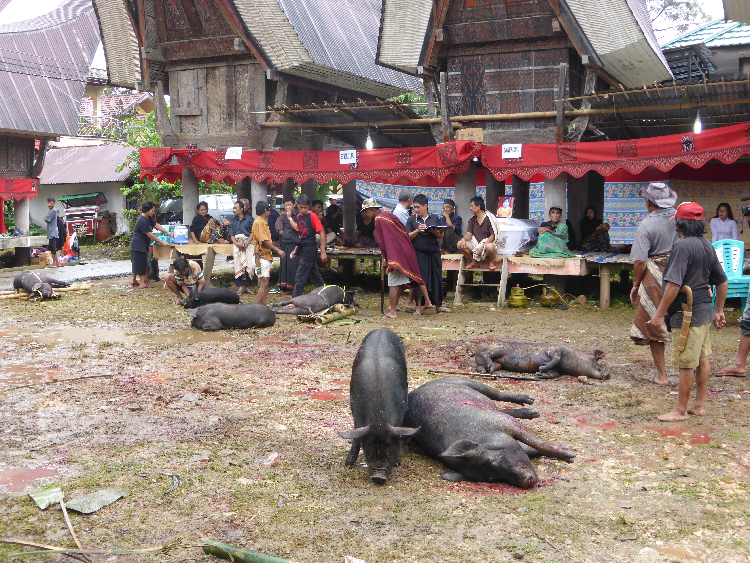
[[517, 297], [548, 298]]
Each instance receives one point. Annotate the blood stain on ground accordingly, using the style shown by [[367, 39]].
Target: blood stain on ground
[[16, 480]]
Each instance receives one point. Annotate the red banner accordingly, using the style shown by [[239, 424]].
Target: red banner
[[726, 144], [388, 165], [411, 165], [18, 188]]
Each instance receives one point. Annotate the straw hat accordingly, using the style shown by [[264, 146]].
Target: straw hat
[[660, 194]]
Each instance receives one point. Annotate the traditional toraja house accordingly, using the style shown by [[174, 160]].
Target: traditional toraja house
[[224, 62], [44, 64]]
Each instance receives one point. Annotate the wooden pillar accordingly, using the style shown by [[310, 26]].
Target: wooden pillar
[[604, 289], [578, 200], [287, 188], [244, 189], [495, 190], [258, 192], [309, 188], [466, 188], [350, 208], [521, 198], [189, 195]]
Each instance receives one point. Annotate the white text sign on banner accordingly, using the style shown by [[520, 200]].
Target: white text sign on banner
[[234, 153], [347, 157], [512, 151]]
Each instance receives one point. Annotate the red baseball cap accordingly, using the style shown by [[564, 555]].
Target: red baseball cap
[[689, 210]]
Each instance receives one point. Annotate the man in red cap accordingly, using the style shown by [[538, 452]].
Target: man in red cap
[[692, 263]]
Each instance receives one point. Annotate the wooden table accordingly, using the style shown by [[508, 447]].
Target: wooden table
[[191, 249], [362, 253], [606, 262]]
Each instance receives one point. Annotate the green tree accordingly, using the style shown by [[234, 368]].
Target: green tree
[[670, 17], [412, 98]]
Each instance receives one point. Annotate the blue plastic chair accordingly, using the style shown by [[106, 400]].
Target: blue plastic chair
[[731, 254]]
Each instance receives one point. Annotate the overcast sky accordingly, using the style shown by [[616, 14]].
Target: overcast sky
[[19, 10]]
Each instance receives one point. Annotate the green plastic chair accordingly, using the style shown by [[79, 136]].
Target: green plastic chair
[[731, 255]]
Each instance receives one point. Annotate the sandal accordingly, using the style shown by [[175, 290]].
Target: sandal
[[147, 286]]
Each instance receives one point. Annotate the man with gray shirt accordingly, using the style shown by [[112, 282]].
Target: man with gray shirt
[[402, 207], [652, 244], [52, 231]]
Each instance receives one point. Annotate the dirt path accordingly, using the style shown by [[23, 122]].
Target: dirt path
[[212, 408]]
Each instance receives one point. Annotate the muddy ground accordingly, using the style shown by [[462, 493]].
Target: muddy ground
[[212, 408]]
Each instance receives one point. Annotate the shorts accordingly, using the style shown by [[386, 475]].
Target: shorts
[[397, 278], [265, 268], [139, 262], [52, 246], [698, 345]]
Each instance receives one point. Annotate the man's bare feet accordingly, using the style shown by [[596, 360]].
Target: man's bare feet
[[696, 410], [673, 416], [390, 315], [732, 371]]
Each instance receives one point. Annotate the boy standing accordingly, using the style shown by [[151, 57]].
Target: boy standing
[[307, 225], [263, 247], [52, 231]]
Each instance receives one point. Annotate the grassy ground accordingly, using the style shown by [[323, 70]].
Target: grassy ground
[[213, 408]]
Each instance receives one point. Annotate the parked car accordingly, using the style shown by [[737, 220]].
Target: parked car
[[219, 207]]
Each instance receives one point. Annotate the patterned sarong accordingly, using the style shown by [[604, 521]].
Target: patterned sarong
[[244, 260], [649, 298]]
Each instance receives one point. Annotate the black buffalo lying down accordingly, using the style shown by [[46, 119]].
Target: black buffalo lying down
[[319, 299], [545, 359], [210, 295], [37, 285]]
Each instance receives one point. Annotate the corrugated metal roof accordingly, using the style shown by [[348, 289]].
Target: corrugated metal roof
[[641, 124], [621, 34], [43, 70], [718, 33], [404, 29], [120, 43], [342, 35], [79, 165]]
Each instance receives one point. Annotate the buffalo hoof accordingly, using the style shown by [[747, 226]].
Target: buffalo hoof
[[379, 477]]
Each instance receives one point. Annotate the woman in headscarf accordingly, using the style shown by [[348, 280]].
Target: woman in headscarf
[[594, 232]]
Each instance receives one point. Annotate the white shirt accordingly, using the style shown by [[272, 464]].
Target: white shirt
[[721, 230]]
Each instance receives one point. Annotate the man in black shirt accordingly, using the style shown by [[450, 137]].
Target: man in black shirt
[[692, 263]]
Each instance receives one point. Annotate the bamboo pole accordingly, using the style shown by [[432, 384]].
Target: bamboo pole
[[457, 119], [321, 320], [12, 295]]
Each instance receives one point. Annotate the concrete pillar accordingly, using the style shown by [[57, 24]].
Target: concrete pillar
[[21, 217], [258, 192], [495, 190], [189, 195], [521, 198], [244, 190], [554, 194], [287, 188], [309, 187], [350, 208], [466, 188]]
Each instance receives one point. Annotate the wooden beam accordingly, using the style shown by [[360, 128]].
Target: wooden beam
[[444, 113], [562, 87]]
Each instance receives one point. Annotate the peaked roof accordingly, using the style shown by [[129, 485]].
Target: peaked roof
[[114, 105], [618, 31], [329, 41], [44, 64], [718, 33], [78, 165]]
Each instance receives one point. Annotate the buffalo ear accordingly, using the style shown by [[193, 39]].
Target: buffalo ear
[[402, 431], [355, 434], [454, 476], [459, 448], [598, 354]]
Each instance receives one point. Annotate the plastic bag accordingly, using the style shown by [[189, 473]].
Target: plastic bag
[[74, 242], [516, 235], [66, 246]]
